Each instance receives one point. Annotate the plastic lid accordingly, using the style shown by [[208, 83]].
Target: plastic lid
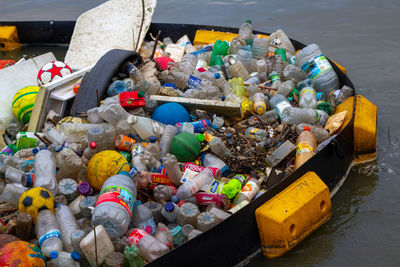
[[140, 94], [75, 255], [152, 139], [225, 171], [148, 229], [174, 199], [200, 137], [35, 151], [124, 173], [229, 135], [169, 206], [248, 21], [84, 188], [217, 75], [58, 148], [170, 85], [53, 254], [223, 98], [58, 204], [307, 128], [93, 145]]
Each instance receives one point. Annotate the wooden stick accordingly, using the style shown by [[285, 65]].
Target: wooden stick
[[141, 27], [155, 45], [263, 87], [52, 121], [95, 245], [42, 139]]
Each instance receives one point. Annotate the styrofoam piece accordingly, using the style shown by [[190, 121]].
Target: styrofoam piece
[[114, 24]]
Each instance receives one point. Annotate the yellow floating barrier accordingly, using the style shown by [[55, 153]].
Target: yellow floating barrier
[[9, 38], [204, 37], [285, 220]]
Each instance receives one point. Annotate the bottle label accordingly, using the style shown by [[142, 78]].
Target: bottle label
[[177, 234], [238, 207], [158, 178], [118, 195], [196, 169], [135, 236], [292, 60], [207, 136], [316, 66], [216, 187], [50, 234], [220, 200], [250, 189], [274, 77], [307, 91], [188, 175], [147, 225], [193, 82], [280, 107], [304, 147], [201, 126], [241, 178]]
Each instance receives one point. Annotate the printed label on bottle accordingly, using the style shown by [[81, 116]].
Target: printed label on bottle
[[158, 178], [241, 177], [135, 236], [253, 132], [188, 175], [304, 147], [316, 66], [193, 82], [307, 91], [238, 207], [207, 136], [178, 235], [196, 169], [292, 60], [216, 187], [118, 195], [280, 107], [50, 234], [149, 224], [274, 77], [250, 189]]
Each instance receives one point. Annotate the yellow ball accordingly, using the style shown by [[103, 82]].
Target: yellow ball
[[23, 102], [103, 165], [34, 200]]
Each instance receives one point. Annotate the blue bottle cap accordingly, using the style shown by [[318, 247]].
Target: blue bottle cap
[[58, 148], [223, 98], [202, 157], [225, 171], [35, 151], [75, 255], [169, 206], [53, 254], [43, 148], [229, 135], [58, 204], [217, 75], [170, 85], [152, 139], [175, 199]]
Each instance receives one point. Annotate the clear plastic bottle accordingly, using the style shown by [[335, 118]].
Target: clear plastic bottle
[[130, 69], [146, 127], [187, 214], [218, 147], [76, 238], [12, 193], [86, 205], [306, 147], [279, 66], [48, 232], [246, 31], [248, 192], [179, 78], [260, 48], [155, 208], [294, 73], [294, 115], [69, 164], [279, 103], [206, 221], [189, 232], [275, 79], [237, 69], [308, 98], [279, 39], [193, 185], [163, 192], [173, 171], [45, 171], [67, 222], [140, 163], [154, 147], [320, 133], [69, 188], [114, 206], [188, 63], [149, 247], [318, 69], [153, 163], [65, 259], [261, 66], [210, 160], [143, 219], [104, 135], [112, 113], [169, 211], [256, 134], [89, 152], [195, 93], [244, 55], [169, 132], [13, 175], [259, 103], [345, 92], [235, 45], [124, 128], [285, 88], [164, 235], [219, 214], [269, 117]]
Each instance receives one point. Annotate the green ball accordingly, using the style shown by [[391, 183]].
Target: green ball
[[185, 146]]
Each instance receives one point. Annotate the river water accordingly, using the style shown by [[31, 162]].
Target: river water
[[363, 36]]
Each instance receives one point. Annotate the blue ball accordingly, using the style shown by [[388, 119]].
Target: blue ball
[[116, 88], [171, 113]]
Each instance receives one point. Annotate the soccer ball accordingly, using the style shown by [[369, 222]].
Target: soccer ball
[[34, 200], [52, 71], [23, 102]]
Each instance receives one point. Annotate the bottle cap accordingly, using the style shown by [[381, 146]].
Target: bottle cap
[[35, 151], [93, 145], [58, 148], [200, 137], [148, 229], [152, 139], [131, 119], [170, 85], [75, 255], [307, 128], [140, 94], [84, 188], [53, 254], [175, 199], [229, 135], [223, 98], [169, 206], [217, 75], [248, 21]]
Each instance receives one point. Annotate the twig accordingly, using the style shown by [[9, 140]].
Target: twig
[[144, 194], [95, 245], [42, 139], [52, 121], [155, 45], [98, 98], [141, 26]]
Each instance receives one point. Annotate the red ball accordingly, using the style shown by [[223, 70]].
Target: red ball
[[162, 62], [93, 145]]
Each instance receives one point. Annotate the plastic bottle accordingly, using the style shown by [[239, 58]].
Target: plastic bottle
[[68, 188], [189, 232], [150, 248], [246, 31], [306, 147], [76, 238], [220, 49], [260, 48], [45, 171], [219, 214], [132, 256], [65, 259], [218, 147], [163, 192], [155, 208], [113, 259], [89, 152], [188, 63], [104, 135], [112, 113], [153, 163], [114, 206], [173, 171], [48, 232], [153, 147], [12, 193], [206, 221], [318, 69], [269, 117], [308, 98], [279, 66], [143, 219], [235, 45], [193, 185], [130, 69], [67, 222], [169, 132], [256, 134], [259, 103], [164, 235], [13, 175], [169, 211], [187, 214], [294, 115], [345, 92], [244, 55], [87, 205], [238, 86], [233, 186], [320, 133], [279, 103], [249, 191], [285, 88], [279, 39], [146, 127], [210, 160], [179, 78], [237, 69], [294, 73], [140, 163], [69, 164]]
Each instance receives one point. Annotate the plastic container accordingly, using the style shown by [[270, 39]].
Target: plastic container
[[154, 147], [13, 175], [189, 232], [114, 259], [112, 113], [279, 103], [193, 185], [256, 134], [143, 219], [218, 147], [308, 98], [219, 214], [279, 39], [185, 146], [248, 192], [318, 69], [259, 103], [306, 147], [12, 193], [69, 164], [345, 92], [320, 133], [45, 171], [103, 135], [114, 206], [293, 115], [103, 248], [220, 49], [244, 55], [76, 238], [86, 206], [163, 192], [65, 259], [89, 152], [173, 170], [246, 31], [164, 235], [237, 69], [187, 214], [67, 222], [279, 66], [260, 48], [140, 163], [210, 160], [48, 233], [132, 256], [234, 185], [68, 188], [146, 127], [124, 142], [155, 208], [130, 69], [235, 45], [170, 211], [206, 221], [188, 63], [169, 132], [294, 73], [150, 248]]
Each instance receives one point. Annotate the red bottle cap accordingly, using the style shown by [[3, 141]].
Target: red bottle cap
[[93, 145], [307, 128]]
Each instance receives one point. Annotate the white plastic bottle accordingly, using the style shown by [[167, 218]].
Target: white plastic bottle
[[210, 160], [49, 234], [173, 171], [114, 205], [218, 147], [169, 211], [143, 219], [308, 98], [294, 115], [318, 69], [146, 127], [260, 48], [103, 248], [193, 185], [279, 103], [169, 132], [149, 247], [45, 170], [67, 222], [69, 164], [154, 147]]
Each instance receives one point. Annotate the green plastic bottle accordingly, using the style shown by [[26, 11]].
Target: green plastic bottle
[[238, 86], [185, 146], [282, 53], [132, 256], [234, 185], [220, 50]]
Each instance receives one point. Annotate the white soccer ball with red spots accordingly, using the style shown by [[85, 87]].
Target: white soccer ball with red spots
[[52, 71]]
